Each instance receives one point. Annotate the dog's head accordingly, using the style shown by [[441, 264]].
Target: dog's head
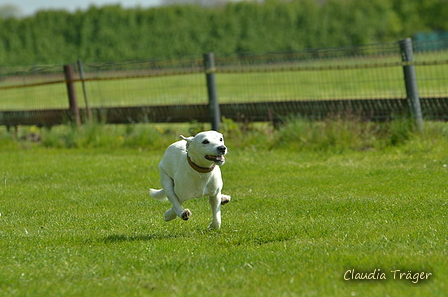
[[206, 148]]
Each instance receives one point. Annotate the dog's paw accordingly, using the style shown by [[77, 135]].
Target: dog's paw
[[186, 214], [225, 199], [214, 226]]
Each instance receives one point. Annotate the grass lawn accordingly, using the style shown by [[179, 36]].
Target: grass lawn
[[81, 223]]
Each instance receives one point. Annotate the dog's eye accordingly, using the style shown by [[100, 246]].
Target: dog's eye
[[220, 139], [206, 142]]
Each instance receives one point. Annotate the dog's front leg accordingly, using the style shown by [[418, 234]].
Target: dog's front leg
[[168, 186], [215, 203]]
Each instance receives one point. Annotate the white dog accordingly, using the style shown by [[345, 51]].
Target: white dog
[[188, 170]]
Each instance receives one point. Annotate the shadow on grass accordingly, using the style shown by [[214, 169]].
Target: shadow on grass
[[127, 238]]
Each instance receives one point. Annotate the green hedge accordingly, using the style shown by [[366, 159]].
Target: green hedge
[[113, 33]]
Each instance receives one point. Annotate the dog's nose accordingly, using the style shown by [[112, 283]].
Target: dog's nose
[[221, 149]]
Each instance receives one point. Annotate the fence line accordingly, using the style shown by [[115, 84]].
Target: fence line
[[336, 61], [275, 111], [240, 70]]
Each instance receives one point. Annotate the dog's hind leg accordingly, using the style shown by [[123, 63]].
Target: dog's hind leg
[[168, 186], [170, 215], [160, 195], [225, 199]]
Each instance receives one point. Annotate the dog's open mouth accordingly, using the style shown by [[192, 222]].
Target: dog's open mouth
[[215, 158]]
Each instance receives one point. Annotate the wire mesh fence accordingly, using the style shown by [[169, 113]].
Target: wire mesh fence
[[431, 58], [349, 73]]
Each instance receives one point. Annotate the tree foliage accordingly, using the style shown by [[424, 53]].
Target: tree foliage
[[9, 11], [114, 33]]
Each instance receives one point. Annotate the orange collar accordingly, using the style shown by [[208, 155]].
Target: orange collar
[[199, 168]]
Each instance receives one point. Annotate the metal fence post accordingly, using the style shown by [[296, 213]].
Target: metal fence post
[[73, 102], [410, 78], [209, 63]]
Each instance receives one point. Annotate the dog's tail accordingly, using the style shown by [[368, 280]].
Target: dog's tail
[[158, 194]]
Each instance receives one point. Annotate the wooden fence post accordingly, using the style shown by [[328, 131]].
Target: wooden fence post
[[73, 102], [209, 63], [410, 78]]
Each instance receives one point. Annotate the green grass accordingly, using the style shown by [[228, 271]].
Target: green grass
[[80, 222]]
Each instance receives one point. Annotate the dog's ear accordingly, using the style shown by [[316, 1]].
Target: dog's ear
[[187, 139]]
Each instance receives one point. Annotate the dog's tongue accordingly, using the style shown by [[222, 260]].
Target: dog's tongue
[[217, 158]]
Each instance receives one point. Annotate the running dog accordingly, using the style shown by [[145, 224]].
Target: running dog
[[190, 169]]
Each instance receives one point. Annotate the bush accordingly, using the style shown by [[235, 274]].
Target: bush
[[97, 135], [334, 135]]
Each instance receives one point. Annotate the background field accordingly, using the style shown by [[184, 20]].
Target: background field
[[81, 223], [264, 82]]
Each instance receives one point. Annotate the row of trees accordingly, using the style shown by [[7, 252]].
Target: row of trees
[[113, 33]]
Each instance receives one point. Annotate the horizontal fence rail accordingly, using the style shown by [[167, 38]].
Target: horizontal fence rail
[[366, 109], [364, 81]]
